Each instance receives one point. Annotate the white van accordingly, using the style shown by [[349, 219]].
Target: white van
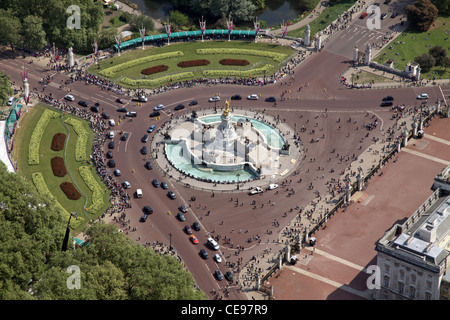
[[213, 244], [139, 193], [111, 135], [10, 101], [112, 123]]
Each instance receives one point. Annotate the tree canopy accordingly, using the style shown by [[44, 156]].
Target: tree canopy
[[422, 14], [112, 266]]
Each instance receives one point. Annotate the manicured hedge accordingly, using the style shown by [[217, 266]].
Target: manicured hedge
[[58, 166], [70, 191], [234, 62], [157, 81], [97, 191], [155, 69], [279, 57], [236, 73], [111, 71], [80, 146], [58, 141], [36, 136], [193, 63]]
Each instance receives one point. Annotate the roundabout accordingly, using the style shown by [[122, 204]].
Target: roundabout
[[235, 150]]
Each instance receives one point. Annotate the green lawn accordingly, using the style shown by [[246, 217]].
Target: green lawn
[[412, 44], [22, 139], [189, 53], [324, 19]]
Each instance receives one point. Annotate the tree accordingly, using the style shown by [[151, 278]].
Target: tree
[[438, 54], [426, 62], [33, 33], [178, 18], [137, 21], [11, 28], [421, 14], [5, 88], [443, 6]]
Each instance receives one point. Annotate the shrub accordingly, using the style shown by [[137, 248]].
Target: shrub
[[58, 166], [236, 73], [70, 191], [279, 57], [193, 63], [234, 62], [110, 72], [156, 81], [58, 141], [97, 191], [36, 136], [155, 69], [80, 146]]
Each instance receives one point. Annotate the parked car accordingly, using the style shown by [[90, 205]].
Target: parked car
[[111, 145], [155, 183], [217, 258], [181, 216], [179, 107], [252, 97], [363, 15], [151, 128], [236, 97], [144, 150], [229, 275], [105, 115], [193, 103], [131, 114], [69, 97], [117, 173], [204, 254], [126, 185], [144, 217], [187, 229], [111, 163], [196, 226], [193, 239], [144, 139], [95, 109], [148, 165], [218, 275], [122, 110], [155, 114], [147, 210], [394, 14], [164, 185], [109, 154], [159, 107], [272, 186], [124, 136], [183, 208], [172, 195], [83, 103], [386, 103], [118, 100], [422, 96], [383, 16], [271, 99], [112, 123], [388, 98], [215, 98]]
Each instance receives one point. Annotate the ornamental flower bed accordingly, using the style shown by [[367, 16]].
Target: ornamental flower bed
[[236, 73], [80, 146], [279, 57], [97, 191], [157, 81], [111, 71], [36, 136], [193, 63], [58, 141], [58, 166], [234, 62], [70, 191], [155, 69]]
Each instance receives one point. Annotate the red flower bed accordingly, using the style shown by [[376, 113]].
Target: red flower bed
[[155, 69], [70, 191], [193, 63], [234, 62], [58, 141], [58, 167]]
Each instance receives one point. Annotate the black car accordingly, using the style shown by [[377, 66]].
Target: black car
[[109, 154], [94, 109], [111, 145], [105, 115], [193, 103], [236, 97], [122, 110], [172, 195], [196, 226], [394, 14], [144, 138], [148, 165], [218, 275], [155, 183], [229, 275], [144, 217], [155, 114], [179, 107], [204, 254], [144, 150], [386, 104], [124, 136], [147, 210], [111, 163], [271, 99], [83, 103], [388, 98]]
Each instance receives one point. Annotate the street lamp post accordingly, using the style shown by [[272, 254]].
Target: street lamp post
[[66, 237], [238, 175]]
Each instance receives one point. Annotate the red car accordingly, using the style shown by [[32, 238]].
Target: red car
[[120, 101], [363, 15], [193, 239]]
